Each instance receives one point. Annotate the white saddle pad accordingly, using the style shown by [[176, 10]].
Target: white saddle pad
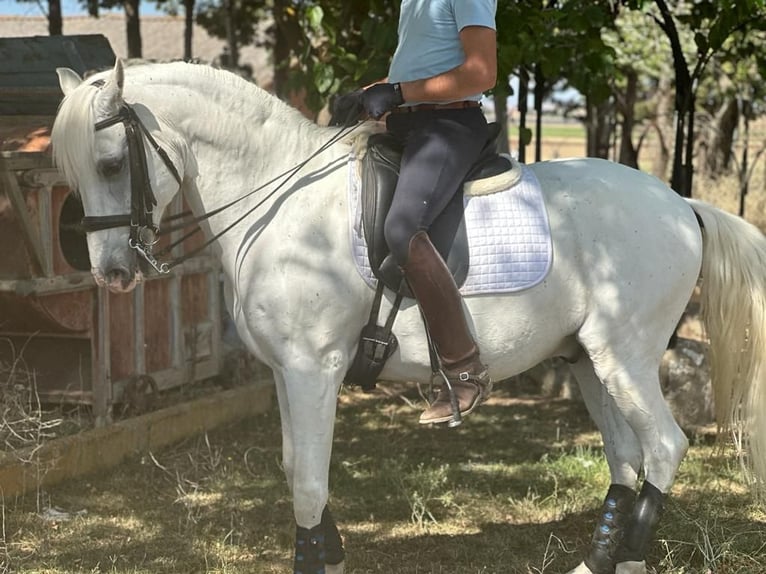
[[509, 240]]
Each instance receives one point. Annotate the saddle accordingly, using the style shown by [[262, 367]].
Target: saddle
[[380, 172]]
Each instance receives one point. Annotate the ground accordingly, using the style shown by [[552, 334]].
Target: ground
[[514, 490]]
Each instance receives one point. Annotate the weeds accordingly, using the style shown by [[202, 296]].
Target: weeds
[[549, 556], [407, 500], [425, 488], [24, 425], [714, 545]]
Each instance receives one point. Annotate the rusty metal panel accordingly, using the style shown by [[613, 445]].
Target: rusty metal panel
[[84, 343], [157, 325], [120, 321], [61, 365], [48, 314]]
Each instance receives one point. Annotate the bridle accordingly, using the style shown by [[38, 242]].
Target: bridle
[[144, 233]]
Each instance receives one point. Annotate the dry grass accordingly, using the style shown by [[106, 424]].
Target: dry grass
[[515, 490]]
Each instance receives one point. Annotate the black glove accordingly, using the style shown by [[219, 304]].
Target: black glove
[[347, 109], [382, 98]]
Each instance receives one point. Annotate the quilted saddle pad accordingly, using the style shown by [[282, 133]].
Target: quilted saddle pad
[[509, 236]]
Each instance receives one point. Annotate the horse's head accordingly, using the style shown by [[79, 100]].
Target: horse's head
[[99, 144]]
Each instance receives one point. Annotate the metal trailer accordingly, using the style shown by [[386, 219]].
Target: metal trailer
[[82, 344]]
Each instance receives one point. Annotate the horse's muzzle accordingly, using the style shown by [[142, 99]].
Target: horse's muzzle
[[118, 279]]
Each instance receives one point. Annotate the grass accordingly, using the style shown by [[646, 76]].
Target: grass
[[574, 130], [515, 490]]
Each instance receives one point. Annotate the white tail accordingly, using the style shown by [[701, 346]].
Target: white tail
[[734, 315]]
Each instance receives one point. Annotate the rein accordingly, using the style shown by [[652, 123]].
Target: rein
[[144, 234]]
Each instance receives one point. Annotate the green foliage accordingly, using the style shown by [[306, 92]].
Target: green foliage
[[211, 15], [346, 45], [562, 37]]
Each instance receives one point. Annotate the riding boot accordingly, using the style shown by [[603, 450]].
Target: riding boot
[[441, 306]]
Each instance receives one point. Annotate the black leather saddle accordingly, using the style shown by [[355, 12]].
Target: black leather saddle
[[380, 173]]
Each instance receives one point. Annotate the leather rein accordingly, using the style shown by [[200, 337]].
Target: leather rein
[[144, 233]]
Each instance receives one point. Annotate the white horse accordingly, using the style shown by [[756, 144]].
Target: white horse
[[628, 252]]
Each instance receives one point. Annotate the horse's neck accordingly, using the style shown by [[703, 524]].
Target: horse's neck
[[239, 138]]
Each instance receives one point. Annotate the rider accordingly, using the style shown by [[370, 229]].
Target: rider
[[446, 57]]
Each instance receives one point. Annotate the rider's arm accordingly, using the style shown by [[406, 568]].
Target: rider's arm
[[477, 73]]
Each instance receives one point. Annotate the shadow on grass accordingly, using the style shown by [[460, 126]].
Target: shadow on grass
[[515, 489]]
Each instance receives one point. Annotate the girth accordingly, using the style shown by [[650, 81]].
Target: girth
[[380, 173]]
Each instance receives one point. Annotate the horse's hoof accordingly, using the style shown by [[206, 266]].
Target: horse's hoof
[[334, 569], [631, 568]]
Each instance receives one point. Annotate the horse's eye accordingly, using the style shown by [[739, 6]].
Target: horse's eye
[[111, 167]]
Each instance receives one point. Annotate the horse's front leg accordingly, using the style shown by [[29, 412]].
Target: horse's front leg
[[307, 393]]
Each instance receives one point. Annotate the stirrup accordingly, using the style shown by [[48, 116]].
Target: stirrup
[[457, 418]]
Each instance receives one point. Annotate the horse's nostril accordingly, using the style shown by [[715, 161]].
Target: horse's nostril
[[120, 275]]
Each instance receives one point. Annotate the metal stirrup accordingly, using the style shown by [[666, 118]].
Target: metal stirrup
[[457, 418]]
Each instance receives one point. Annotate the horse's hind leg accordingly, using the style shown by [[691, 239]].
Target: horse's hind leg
[[623, 455], [622, 449], [630, 374]]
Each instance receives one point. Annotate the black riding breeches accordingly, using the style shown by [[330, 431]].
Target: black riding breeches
[[440, 147]]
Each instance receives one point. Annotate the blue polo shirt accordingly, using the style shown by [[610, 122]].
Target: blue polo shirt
[[429, 36]]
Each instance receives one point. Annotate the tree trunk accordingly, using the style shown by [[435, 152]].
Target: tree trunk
[[689, 155], [539, 96], [231, 37], [188, 28], [744, 177], [501, 116], [55, 22], [682, 167], [628, 155], [598, 128], [523, 132], [133, 28], [720, 138], [663, 125]]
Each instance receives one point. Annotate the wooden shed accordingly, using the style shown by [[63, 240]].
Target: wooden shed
[[83, 344]]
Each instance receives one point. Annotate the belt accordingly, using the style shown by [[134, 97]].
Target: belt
[[461, 105]]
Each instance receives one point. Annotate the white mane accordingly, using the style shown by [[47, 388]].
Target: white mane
[[73, 132]]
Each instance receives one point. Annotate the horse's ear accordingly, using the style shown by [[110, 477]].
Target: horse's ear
[[111, 94], [68, 80]]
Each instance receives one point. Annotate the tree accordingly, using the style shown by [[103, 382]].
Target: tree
[[235, 21], [730, 95], [171, 7], [555, 41], [53, 14], [712, 23], [132, 20], [640, 88], [345, 45]]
